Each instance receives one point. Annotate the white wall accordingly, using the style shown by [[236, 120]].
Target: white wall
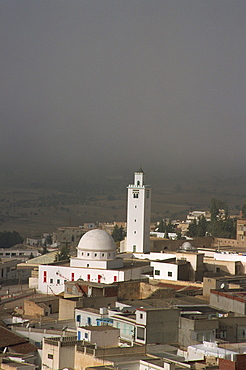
[[167, 271], [56, 275], [84, 315], [138, 215]]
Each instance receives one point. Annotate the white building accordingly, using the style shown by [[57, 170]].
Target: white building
[[138, 215], [96, 261]]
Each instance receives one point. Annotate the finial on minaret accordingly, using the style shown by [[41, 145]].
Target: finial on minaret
[[140, 169]]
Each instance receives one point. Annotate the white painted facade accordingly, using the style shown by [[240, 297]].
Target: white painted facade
[[154, 256], [199, 352], [96, 261], [164, 271], [138, 215]]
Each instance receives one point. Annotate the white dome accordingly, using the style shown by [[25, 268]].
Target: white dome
[[96, 240], [187, 247]]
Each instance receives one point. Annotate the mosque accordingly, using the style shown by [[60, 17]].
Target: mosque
[[96, 251]]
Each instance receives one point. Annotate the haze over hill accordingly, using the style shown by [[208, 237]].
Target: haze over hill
[[101, 87]]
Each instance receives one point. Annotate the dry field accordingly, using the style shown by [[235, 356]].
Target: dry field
[[32, 210]]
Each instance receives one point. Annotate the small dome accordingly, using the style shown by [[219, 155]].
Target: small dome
[[96, 240], [187, 247]]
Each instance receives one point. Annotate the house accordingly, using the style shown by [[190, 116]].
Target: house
[[233, 300], [11, 343], [41, 306], [58, 352], [103, 336]]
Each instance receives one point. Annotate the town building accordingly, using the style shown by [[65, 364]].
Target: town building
[[138, 215], [19, 251], [96, 261]]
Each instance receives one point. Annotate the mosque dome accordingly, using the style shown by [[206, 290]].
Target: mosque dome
[[97, 240], [187, 247]]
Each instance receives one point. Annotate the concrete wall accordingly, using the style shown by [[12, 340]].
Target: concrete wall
[[162, 326], [41, 307], [108, 337], [32, 309], [227, 302], [142, 290], [83, 360], [67, 307], [190, 330]]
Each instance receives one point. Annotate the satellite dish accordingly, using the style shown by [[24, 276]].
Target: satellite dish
[[222, 286]]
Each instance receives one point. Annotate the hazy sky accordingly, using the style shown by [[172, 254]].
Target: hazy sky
[[115, 84]]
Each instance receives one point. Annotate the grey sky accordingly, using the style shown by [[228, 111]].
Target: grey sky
[[114, 84]]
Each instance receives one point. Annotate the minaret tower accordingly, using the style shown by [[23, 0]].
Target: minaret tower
[[138, 215]]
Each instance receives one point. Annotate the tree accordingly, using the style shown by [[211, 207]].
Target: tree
[[9, 239], [63, 254], [44, 250], [163, 227], [215, 207], [192, 229], [31, 256], [198, 229], [221, 226], [118, 233], [244, 209]]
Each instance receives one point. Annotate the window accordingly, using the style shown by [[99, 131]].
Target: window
[[51, 281], [45, 277], [157, 272], [50, 356], [141, 316], [88, 277], [58, 281], [87, 265], [102, 254], [88, 254], [88, 320], [135, 206], [115, 278], [135, 232], [72, 276], [86, 335], [140, 333], [95, 254], [169, 273], [78, 317], [79, 335], [135, 220], [138, 183], [199, 337], [135, 195], [134, 248]]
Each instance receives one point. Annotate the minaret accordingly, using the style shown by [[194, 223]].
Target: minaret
[[138, 215]]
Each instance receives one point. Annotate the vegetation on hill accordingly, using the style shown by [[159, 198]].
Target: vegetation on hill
[[9, 239]]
